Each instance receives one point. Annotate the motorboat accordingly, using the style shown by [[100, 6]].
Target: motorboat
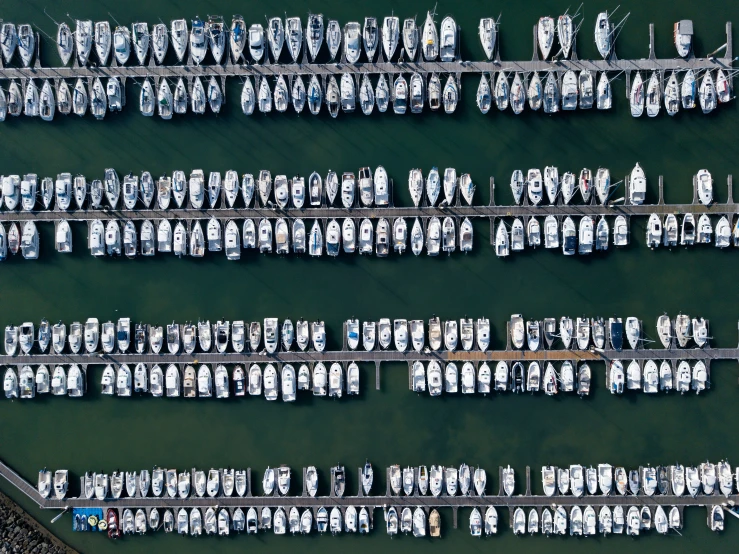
[[448, 43], [570, 90], [352, 42]]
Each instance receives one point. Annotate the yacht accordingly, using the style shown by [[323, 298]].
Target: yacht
[[545, 34], [390, 36], [430, 39], [294, 37], [603, 35], [314, 34], [448, 45], [637, 96], [256, 42], [382, 94], [707, 93], [484, 96], [410, 38], [64, 41], [487, 31], [333, 38], [569, 90], [370, 37]]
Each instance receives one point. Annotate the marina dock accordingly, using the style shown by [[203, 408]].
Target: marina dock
[[230, 69], [372, 502], [492, 210], [375, 356]]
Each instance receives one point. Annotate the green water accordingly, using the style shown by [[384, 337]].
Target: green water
[[391, 425]]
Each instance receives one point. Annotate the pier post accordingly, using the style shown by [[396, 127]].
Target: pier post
[[729, 50], [695, 189], [730, 187]]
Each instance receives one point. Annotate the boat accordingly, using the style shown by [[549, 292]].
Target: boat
[[683, 37], [707, 93], [565, 34], [314, 34], [502, 245], [429, 39], [390, 36], [294, 36], [653, 98], [570, 90], [535, 94], [637, 96], [448, 46], [487, 31], [672, 95], [716, 518], [545, 35], [352, 42], [484, 97], [410, 38], [603, 35], [83, 35], [371, 37], [64, 41], [604, 97], [704, 185]]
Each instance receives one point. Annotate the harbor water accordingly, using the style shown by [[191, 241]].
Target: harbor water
[[391, 425]]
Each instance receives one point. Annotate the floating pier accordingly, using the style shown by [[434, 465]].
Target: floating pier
[[230, 69]]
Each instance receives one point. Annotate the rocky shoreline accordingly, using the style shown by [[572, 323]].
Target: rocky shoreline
[[20, 533]]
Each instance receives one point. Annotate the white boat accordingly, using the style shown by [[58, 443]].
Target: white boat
[[448, 46], [637, 185], [704, 184], [603, 35], [352, 42], [390, 36], [707, 93], [565, 34], [429, 39], [653, 98], [637, 95], [487, 30], [314, 34], [545, 35], [569, 90], [410, 38]]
